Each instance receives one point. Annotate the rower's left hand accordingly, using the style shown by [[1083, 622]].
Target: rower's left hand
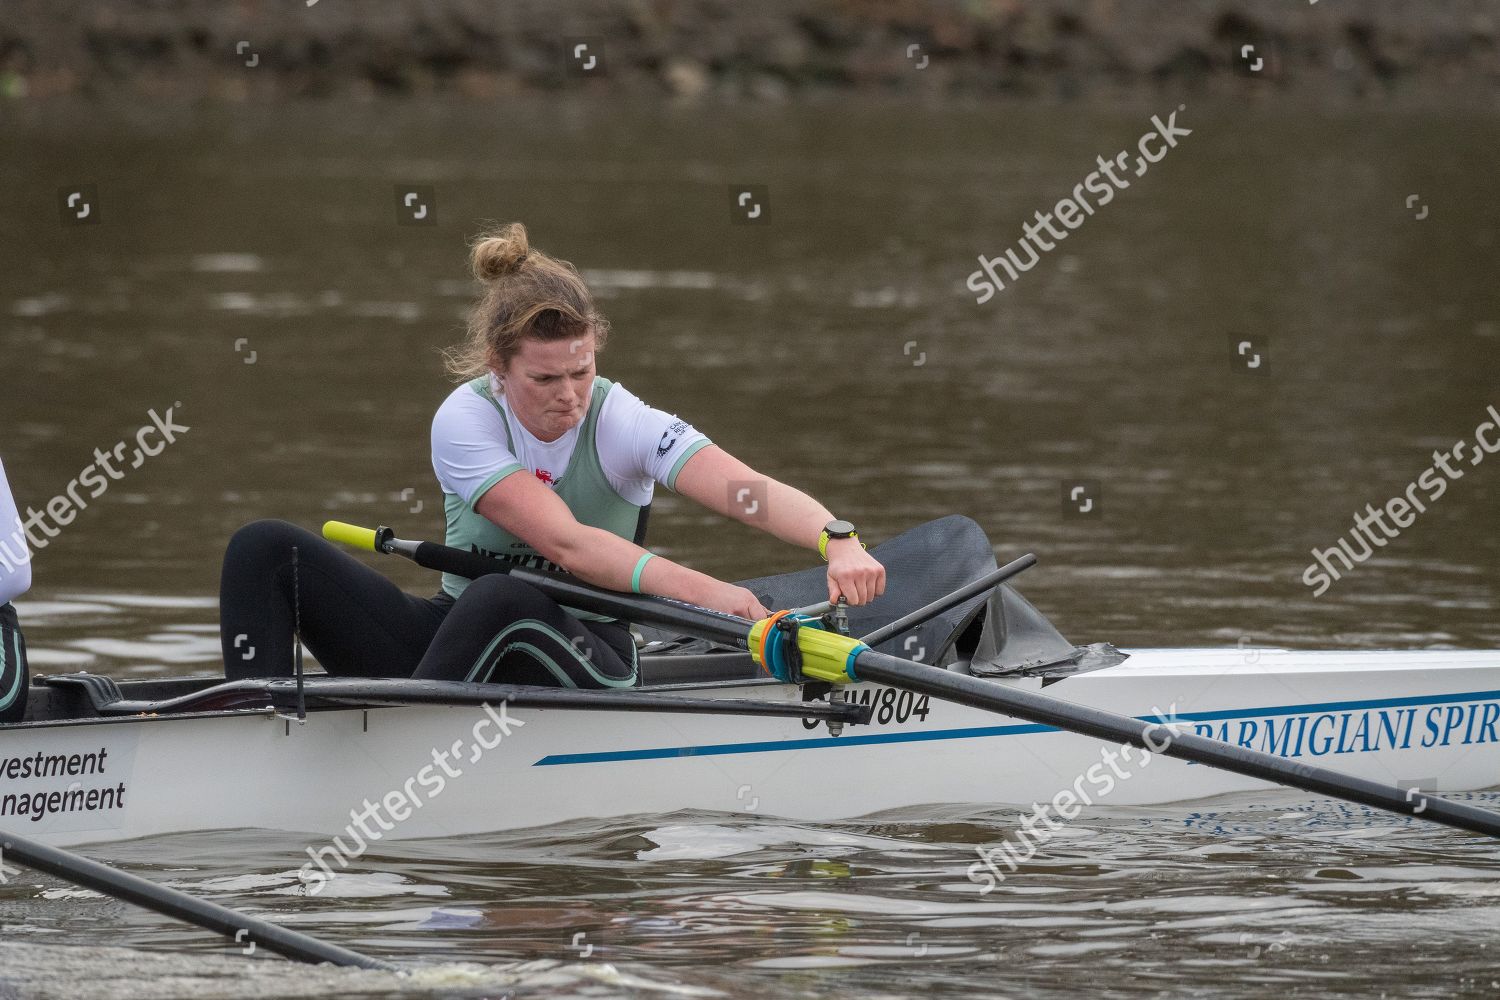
[[853, 572]]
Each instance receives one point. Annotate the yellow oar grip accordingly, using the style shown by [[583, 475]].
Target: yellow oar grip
[[351, 535]]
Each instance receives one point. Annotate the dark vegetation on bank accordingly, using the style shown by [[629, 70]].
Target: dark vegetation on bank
[[768, 49]]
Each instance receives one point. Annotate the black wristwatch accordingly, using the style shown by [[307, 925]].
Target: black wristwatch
[[832, 530]]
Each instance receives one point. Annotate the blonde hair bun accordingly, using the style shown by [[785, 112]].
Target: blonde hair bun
[[525, 293], [499, 252]]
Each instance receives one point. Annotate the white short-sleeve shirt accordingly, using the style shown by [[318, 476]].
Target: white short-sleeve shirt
[[639, 445]]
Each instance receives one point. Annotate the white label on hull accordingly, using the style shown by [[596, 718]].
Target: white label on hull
[[74, 784]]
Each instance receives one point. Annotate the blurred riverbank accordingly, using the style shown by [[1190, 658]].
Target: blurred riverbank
[[772, 50]]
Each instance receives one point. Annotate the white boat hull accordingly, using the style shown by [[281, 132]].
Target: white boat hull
[[1426, 718]]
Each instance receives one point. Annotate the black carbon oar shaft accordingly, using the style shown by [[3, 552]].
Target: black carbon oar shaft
[[244, 930], [1033, 707]]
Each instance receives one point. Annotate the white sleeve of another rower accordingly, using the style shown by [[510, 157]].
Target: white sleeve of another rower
[[640, 446], [15, 559]]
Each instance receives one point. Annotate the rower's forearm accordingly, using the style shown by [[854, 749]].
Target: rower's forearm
[[728, 486], [601, 558], [607, 560], [666, 578], [792, 516]]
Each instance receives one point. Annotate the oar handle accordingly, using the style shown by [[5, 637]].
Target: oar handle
[[351, 535], [430, 555]]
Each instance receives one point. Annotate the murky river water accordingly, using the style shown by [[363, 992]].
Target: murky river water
[[249, 269]]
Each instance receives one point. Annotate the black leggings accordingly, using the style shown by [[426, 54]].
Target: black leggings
[[357, 623], [14, 678]]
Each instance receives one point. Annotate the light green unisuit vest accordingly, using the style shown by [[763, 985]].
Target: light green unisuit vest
[[583, 487]]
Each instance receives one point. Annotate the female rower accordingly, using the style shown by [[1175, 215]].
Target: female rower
[[15, 580], [541, 462]]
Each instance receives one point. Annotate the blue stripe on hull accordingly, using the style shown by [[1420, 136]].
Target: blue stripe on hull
[[980, 732]]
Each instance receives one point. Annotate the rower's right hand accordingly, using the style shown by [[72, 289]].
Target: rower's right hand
[[735, 600]]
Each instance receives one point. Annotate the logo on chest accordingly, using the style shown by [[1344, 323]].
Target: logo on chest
[[546, 477]]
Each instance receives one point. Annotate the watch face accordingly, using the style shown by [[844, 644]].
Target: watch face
[[839, 529]]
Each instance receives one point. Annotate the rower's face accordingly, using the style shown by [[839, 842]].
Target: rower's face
[[549, 384]]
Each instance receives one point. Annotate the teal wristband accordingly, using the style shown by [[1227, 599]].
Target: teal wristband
[[635, 578]]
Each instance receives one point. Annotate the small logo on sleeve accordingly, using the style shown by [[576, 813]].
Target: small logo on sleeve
[[670, 437]]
